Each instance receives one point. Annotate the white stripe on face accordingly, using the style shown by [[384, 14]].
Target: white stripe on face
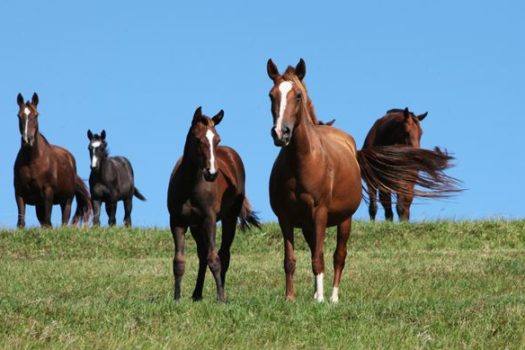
[[210, 135], [284, 88], [27, 112], [94, 159]]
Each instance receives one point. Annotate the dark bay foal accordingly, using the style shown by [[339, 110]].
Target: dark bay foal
[[111, 180], [207, 186]]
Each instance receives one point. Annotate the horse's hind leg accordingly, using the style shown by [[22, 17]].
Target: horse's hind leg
[[343, 232], [66, 210], [201, 252], [386, 201], [128, 205], [111, 210], [228, 234], [179, 260], [372, 201], [21, 205]]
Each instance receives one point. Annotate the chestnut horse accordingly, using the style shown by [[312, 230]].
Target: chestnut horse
[[316, 179], [397, 128], [45, 174], [207, 186]]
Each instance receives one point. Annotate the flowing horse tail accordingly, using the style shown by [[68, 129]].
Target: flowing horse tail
[[392, 168], [84, 208], [139, 195], [247, 216]]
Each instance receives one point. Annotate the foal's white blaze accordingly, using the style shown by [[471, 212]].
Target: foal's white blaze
[[284, 88], [27, 112], [335, 295], [319, 289], [94, 159], [210, 135]]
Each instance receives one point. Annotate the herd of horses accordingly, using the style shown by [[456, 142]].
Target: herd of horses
[[315, 183]]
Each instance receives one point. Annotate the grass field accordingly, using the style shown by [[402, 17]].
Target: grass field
[[425, 285]]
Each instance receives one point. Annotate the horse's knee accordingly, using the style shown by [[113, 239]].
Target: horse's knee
[[340, 258], [318, 264], [289, 265], [214, 262], [179, 264]]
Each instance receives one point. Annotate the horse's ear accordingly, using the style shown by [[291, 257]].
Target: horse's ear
[[197, 115], [300, 69], [34, 99], [20, 99], [422, 116], [273, 72], [90, 135], [218, 117], [406, 113], [103, 135]]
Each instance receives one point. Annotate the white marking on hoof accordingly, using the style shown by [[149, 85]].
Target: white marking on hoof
[[319, 289], [335, 295]]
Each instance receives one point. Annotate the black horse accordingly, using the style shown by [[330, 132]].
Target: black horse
[[111, 180]]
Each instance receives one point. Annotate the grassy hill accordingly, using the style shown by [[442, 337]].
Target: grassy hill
[[425, 285]]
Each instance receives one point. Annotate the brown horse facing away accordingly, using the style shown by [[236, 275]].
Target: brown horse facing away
[[316, 178], [397, 128], [45, 174], [207, 186]]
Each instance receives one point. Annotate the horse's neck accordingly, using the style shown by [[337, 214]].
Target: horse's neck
[[305, 139], [191, 172], [38, 149]]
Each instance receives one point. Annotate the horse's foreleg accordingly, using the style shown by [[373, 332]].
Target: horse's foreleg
[[128, 205], [318, 253], [201, 252], [214, 263], [343, 232], [179, 261], [289, 257], [47, 207], [111, 210], [66, 211], [96, 211], [21, 205], [403, 204], [386, 201]]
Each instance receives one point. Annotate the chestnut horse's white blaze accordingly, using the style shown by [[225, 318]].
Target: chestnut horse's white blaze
[[210, 135], [284, 88]]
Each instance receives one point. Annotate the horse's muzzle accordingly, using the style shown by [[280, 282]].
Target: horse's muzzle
[[209, 176], [28, 142], [282, 138]]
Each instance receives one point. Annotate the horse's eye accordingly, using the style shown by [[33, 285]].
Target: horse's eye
[[271, 96], [299, 96]]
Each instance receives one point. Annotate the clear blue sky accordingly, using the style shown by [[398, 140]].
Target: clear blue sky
[[139, 69]]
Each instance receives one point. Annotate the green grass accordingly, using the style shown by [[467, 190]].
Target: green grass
[[424, 285]]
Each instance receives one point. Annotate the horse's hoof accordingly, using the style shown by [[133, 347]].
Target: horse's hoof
[[197, 297], [290, 298]]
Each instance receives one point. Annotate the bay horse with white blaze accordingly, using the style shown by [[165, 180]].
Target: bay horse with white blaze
[[316, 179], [45, 174], [207, 186], [397, 128], [111, 180]]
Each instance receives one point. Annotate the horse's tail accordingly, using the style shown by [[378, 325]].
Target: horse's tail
[[137, 194], [394, 168], [84, 208], [247, 216]]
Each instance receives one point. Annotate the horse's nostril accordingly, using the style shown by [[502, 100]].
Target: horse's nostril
[[286, 130]]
